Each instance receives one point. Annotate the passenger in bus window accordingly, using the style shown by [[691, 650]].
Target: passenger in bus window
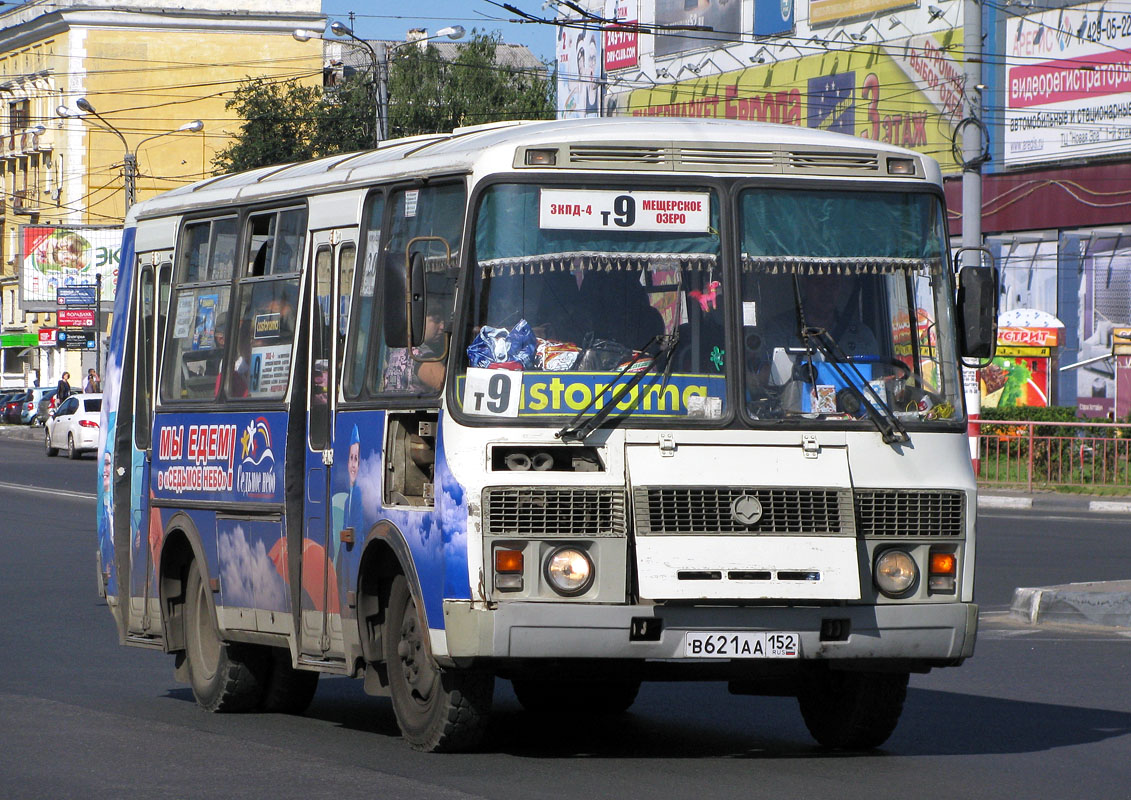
[[220, 339], [238, 382], [830, 302], [772, 335], [404, 373]]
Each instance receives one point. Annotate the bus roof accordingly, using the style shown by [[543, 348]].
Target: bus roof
[[464, 148]]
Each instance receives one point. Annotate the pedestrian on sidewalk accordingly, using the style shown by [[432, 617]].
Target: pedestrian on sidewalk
[[64, 390], [93, 384]]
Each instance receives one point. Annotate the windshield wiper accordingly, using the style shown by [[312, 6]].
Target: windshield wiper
[[576, 430], [885, 420]]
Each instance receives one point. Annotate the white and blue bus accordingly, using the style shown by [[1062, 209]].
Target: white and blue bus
[[576, 404]]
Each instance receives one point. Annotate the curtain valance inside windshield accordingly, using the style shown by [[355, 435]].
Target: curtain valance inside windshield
[[814, 231], [858, 265], [509, 241]]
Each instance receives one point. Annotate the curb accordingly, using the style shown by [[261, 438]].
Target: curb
[[1063, 503], [1104, 603], [1002, 501], [1110, 507]]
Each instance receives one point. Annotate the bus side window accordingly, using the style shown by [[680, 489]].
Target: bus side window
[[347, 258], [144, 359], [194, 350], [424, 238], [356, 360], [320, 347]]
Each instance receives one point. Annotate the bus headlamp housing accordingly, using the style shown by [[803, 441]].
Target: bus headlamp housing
[[895, 572], [569, 571]]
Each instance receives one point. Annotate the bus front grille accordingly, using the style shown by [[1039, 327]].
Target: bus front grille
[[710, 509], [910, 513], [535, 511]]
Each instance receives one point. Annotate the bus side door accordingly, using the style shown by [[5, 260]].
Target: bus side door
[[324, 541], [144, 616]]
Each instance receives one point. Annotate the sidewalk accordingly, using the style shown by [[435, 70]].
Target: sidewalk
[[1091, 603], [31, 433]]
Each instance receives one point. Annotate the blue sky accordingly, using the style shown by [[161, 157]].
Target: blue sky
[[385, 20]]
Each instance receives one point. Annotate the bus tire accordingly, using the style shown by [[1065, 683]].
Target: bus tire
[[51, 451], [224, 677], [592, 698], [289, 690], [437, 711], [852, 710]]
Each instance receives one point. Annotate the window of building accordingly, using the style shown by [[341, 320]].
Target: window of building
[[19, 114]]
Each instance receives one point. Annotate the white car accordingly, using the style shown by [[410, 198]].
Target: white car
[[74, 425]]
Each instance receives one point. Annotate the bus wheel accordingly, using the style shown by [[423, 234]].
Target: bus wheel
[[852, 710], [588, 697], [224, 677], [436, 711], [289, 690]]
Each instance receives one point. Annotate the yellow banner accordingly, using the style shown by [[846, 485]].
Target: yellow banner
[[837, 10], [906, 93]]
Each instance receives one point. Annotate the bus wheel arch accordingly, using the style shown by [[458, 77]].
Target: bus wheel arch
[[224, 676], [386, 556], [180, 548]]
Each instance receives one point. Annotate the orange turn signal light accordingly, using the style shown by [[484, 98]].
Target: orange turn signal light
[[508, 560], [943, 563]]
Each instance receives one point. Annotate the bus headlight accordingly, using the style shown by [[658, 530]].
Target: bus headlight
[[569, 571], [895, 572]]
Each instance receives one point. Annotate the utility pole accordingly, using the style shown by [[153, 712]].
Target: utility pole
[[972, 158], [972, 130]]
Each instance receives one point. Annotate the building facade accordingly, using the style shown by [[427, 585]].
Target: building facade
[[146, 68]]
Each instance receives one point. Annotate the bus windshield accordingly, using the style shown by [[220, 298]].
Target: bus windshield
[[843, 311], [846, 306], [574, 287]]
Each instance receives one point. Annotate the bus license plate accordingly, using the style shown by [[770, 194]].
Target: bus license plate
[[741, 644]]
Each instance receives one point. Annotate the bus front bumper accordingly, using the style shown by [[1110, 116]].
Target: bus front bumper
[[930, 634]]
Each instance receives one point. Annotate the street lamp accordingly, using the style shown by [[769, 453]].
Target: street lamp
[[380, 65], [339, 29], [130, 157]]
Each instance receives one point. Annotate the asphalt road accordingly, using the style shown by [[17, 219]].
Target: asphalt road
[[1037, 713]]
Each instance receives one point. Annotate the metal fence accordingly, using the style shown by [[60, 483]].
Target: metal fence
[[1050, 454]]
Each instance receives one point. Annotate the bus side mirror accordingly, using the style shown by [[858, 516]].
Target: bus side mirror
[[977, 312], [417, 299]]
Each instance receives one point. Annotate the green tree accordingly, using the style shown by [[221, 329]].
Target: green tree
[[287, 121], [428, 94]]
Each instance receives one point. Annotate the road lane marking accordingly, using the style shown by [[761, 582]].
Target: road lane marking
[[18, 487]]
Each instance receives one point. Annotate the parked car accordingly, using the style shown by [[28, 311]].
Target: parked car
[[45, 406], [74, 426], [53, 403], [29, 412], [14, 405]]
